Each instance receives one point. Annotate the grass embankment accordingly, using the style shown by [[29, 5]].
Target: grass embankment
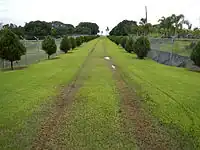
[[25, 95], [172, 93], [94, 120]]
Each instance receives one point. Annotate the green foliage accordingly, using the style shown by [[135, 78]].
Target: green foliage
[[37, 28], [124, 28], [62, 29], [93, 27], [123, 41], [10, 46], [78, 41], [195, 55], [49, 46], [129, 46], [65, 44], [115, 39], [142, 46], [73, 42]]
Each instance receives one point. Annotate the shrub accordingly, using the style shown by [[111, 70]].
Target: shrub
[[142, 46], [129, 46], [123, 42], [49, 46], [78, 41], [73, 42], [11, 48], [195, 55], [65, 44]]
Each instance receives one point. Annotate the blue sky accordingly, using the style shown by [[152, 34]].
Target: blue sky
[[103, 12]]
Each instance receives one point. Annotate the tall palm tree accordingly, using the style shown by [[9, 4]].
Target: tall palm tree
[[189, 25], [166, 25], [178, 22]]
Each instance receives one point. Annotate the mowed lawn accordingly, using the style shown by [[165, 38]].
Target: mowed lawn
[[173, 94], [95, 121], [26, 94]]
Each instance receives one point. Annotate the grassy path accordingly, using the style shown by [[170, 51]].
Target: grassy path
[[80, 102], [94, 120]]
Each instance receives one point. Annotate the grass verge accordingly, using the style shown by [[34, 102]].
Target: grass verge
[[171, 93], [25, 96]]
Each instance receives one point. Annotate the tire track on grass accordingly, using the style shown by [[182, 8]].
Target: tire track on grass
[[48, 129], [148, 134]]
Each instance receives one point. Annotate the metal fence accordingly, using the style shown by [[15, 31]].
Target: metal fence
[[34, 54], [173, 52], [181, 47]]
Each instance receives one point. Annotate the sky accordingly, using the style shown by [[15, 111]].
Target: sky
[[103, 12]]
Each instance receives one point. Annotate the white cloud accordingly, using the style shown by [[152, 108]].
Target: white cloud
[[104, 12]]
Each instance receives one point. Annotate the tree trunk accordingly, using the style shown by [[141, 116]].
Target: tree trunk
[[11, 65], [48, 56]]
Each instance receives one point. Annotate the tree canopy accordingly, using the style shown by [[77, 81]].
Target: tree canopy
[[94, 28], [124, 28], [11, 48]]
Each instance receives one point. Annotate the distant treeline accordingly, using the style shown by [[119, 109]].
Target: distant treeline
[[57, 29], [167, 27]]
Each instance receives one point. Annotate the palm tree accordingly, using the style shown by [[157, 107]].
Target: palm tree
[[107, 30], [189, 25], [166, 25], [178, 22]]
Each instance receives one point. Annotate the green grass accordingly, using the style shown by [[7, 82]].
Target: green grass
[[179, 47], [24, 94], [172, 93], [94, 121]]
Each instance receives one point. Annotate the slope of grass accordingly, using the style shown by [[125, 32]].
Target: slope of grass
[[173, 93], [25, 93], [94, 121]]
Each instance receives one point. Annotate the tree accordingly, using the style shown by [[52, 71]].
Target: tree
[[62, 28], [11, 48], [142, 47], [19, 31], [78, 41], [129, 45], [178, 22], [195, 55], [37, 28], [94, 28], [107, 30], [73, 42], [65, 44], [49, 46], [123, 41], [123, 28]]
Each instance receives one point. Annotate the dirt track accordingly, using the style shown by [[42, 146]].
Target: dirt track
[[148, 134], [48, 130], [136, 121]]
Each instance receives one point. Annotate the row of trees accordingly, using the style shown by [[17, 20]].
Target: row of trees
[[57, 29], [140, 46], [167, 26], [12, 49]]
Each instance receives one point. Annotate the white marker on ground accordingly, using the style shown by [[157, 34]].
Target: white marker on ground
[[107, 58], [113, 67]]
